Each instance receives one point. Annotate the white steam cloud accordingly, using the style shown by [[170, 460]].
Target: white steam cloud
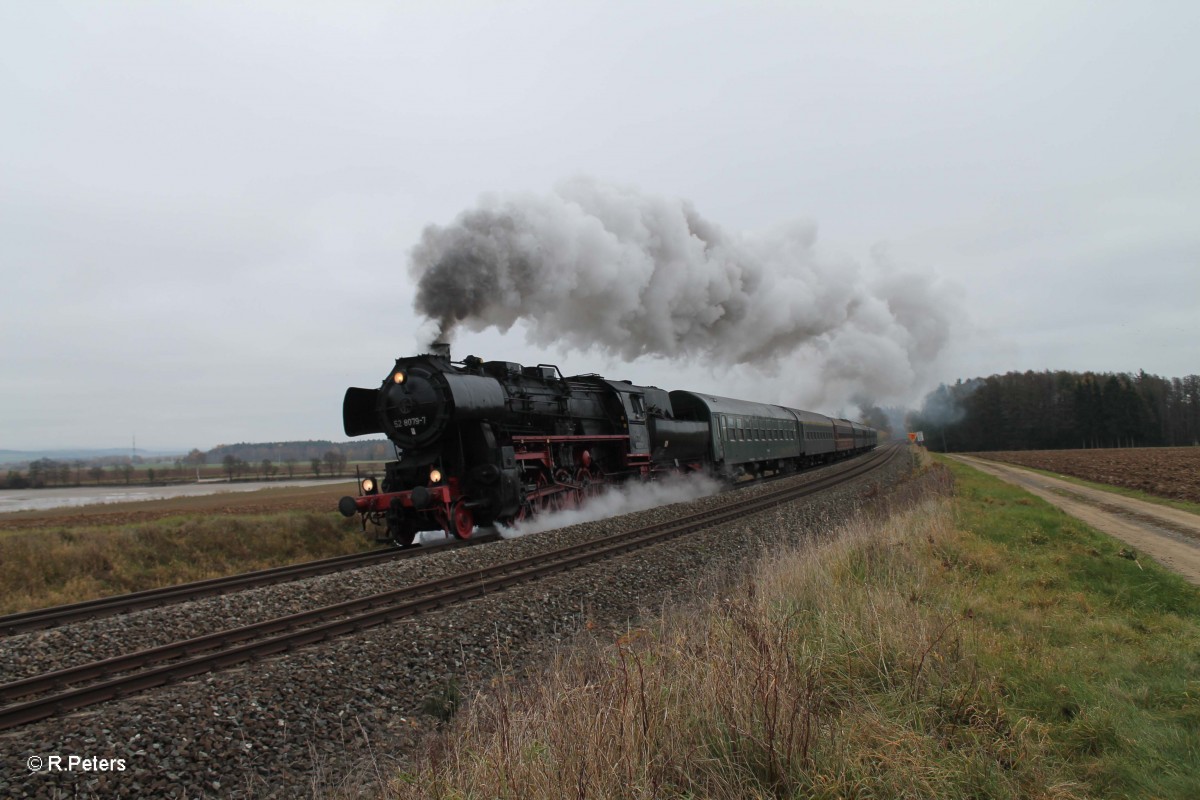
[[593, 266], [619, 500]]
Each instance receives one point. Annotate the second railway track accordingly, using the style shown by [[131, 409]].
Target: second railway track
[[43, 618], [163, 665]]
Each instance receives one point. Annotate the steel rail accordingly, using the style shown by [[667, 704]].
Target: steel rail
[[287, 633], [42, 618]]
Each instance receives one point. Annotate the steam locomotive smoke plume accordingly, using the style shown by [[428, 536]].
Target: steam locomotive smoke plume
[[596, 266]]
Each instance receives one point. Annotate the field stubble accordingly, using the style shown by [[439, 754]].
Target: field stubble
[[67, 555]]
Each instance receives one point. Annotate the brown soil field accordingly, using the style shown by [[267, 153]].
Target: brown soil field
[[1171, 472], [265, 501]]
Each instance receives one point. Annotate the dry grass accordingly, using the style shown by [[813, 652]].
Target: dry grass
[[977, 646], [65, 564], [834, 672]]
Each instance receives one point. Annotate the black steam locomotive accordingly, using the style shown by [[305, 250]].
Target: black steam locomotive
[[479, 442]]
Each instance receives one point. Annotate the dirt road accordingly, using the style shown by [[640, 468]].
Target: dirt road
[[1171, 537]]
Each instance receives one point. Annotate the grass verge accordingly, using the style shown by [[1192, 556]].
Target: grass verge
[[980, 646], [64, 565]]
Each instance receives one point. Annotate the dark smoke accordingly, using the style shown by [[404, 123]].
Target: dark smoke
[[594, 266]]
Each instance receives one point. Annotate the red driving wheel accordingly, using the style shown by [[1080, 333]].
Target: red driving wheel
[[462, 521]]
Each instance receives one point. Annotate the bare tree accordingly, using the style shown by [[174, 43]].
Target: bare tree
[[335, 461]]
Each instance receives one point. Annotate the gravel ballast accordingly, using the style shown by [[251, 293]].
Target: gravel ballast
[[330, 715]]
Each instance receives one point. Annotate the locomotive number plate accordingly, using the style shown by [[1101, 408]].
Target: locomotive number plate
[[409, 422]]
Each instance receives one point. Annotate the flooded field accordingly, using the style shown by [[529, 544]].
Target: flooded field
[[43, 499]]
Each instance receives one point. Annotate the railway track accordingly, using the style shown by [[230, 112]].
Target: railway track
[[42, 618], [159, 666]]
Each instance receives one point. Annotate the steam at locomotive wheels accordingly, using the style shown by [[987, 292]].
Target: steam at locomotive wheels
[[479, 442]]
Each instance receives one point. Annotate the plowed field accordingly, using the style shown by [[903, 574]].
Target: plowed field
[[1172, 472]]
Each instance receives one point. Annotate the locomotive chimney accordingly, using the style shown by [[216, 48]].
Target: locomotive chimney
[[440, 349]]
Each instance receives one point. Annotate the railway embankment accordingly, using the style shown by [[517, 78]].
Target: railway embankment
[[980, 644], [337, 715]]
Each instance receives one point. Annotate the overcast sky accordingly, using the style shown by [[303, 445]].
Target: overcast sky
[[207, 209]]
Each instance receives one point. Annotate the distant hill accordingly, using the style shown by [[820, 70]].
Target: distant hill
[[250, 452], [280, 452], [79, 454]]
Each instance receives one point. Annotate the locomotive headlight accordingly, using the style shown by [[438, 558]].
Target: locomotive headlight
[[368, 485], [398, 377], [435, 475]]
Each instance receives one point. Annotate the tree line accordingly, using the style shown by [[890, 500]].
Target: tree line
[[304, 452], [235, 462], [1061, 410]]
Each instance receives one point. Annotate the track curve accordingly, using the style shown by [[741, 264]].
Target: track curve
[[236, 646]]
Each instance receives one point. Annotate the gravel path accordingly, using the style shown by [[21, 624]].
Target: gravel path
[[301, 723], [1169, 536]]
